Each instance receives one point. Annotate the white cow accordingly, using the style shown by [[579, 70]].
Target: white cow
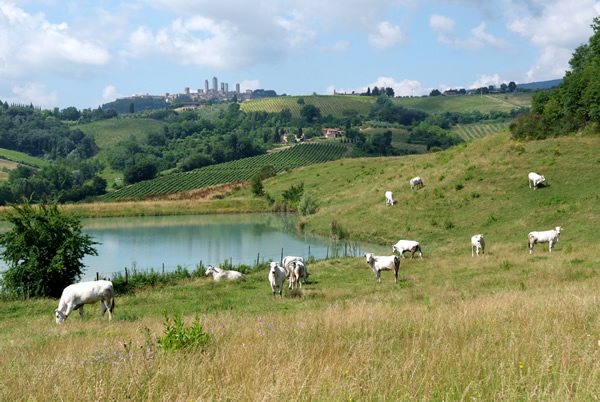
[[535, 179], [290, 258], [296, 272], [380, 263], [223, 274], [548, 236], [407, 245], [389, 198], [277, 275], [477, 243], [76, 295], [416, 182]]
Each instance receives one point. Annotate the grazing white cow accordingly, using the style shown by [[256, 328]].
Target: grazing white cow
[[277, 275], [416, 182], [407, 245], [389, 198], [477, 243], [290, 258], [219, 274], [548, 236], [76, 295], [380, 263], [535, 179], [296, 272]]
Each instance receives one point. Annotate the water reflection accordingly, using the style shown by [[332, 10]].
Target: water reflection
[[169, 241]]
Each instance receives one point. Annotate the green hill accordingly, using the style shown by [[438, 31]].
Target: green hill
[[477, 187], [230, 172], [336, 105], [111, 131]]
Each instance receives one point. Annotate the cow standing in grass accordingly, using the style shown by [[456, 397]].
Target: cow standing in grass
[[535, 179], [416, 183], [548, 236], [277, 275], [477, 243], [389, 198], [380, 263], [76, 295]]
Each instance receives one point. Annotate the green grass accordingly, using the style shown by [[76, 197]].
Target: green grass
[[109, 132], [477, 130], [485, 104], [20, 157], [328, 104]]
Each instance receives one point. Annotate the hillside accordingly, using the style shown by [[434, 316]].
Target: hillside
[[477, 187], [336, 105], [109, 132]]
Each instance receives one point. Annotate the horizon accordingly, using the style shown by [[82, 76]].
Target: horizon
[[85, 56]]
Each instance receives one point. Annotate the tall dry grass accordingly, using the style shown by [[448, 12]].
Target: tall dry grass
[[490, 328]]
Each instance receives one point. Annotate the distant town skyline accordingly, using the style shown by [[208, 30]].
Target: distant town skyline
[[86, 54]]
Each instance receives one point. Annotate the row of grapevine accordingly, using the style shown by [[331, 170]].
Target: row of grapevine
[[230, 172], [473, 131]]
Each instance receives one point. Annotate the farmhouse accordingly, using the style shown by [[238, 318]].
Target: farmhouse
[[332, 132]]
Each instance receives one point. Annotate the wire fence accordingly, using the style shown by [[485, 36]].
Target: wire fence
[[309, 253]]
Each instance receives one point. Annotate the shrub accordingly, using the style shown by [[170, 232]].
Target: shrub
[[177, 336], [458, 186], [257, 186], [307, 205]]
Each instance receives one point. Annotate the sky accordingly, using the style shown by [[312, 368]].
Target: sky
[[87, 53]]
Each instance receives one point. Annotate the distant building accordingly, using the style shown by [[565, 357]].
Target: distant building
[[215, 83], [332, 132]]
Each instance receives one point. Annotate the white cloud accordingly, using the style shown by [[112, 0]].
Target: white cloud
[[447, 34], [250, 84], [556, 28], [403, 88], [341, 46], [386, 36], [34, 93], [487, 80], [31, 45]]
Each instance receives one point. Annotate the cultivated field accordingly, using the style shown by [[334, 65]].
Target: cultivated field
[[230, 172], [110, 132]]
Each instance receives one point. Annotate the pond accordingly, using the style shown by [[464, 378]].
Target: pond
[[166, 242]]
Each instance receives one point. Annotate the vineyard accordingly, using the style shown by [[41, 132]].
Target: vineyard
[[473, 131], [334, 105], [230, 172]]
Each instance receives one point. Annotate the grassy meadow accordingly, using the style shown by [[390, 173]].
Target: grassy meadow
[[504, 325]]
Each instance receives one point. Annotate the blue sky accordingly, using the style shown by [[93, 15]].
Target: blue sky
[[83, 54]]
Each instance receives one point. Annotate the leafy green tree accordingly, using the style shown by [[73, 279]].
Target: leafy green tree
[[310, 113], [512, 86], [435, 92], [43, 250], [257, 186], [144, 170]]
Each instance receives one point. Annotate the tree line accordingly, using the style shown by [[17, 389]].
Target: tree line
[[574, 106]]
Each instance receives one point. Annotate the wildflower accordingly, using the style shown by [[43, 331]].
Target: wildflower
[[345, 372], [210, 379], [521, 365]]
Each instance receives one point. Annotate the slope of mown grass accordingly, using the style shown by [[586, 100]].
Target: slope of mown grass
[[464, 103], [110, 132], [503, 326], [20, 157], [335, 105], [477, 187]]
